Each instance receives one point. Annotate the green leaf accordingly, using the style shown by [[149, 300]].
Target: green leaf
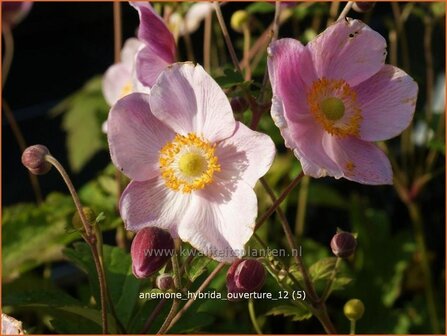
[[322, 269], [122, 284], [298, 313], [437, 145], [84, 112], [230, 78], [325, 196], [260, 7], [33, 234], [197, 267]]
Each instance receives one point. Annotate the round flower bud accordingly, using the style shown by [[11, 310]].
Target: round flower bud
[[245, 276], [363, 6], [151, 249], [89, 215], [239, 104], [343, 244], [33, 158], [165, 281], [238, 20], [354, 309]]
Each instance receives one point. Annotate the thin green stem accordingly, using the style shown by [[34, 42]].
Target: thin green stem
[[327, 291], [352, 327], [254, 321], [89, 237], [198, 291], [176, 303], [302, 206]]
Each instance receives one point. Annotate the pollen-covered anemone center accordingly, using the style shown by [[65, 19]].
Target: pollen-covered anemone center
[[188, 163], [334, 105]]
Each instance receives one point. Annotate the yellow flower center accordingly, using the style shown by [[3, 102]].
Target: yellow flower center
[[334, 105], [126, 89], [188, 163]]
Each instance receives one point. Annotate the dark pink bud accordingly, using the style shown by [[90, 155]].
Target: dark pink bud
[[151, 249], [239, 104], [165, 281], [33, 158], [343, 244], [245, 276], [363, 6], [14, 12]]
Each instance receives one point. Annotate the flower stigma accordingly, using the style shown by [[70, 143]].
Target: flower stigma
[[334, 105], [188, 163]]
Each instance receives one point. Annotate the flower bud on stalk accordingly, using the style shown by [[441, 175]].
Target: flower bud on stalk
[[343, 244], [151, 249], [238, 20], [33, 158], [354, 309], [239, 104], [363, 6], [245, 276], [165, 281]]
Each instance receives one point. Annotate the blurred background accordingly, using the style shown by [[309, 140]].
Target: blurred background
[[53, 89]]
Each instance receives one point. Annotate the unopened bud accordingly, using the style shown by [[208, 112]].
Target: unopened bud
[[33, 158], [151, 249], [238, 20], [363, 6], [239, 104], [165, 281], [343, 244], [245, 276], [354, 309], [89, 215]]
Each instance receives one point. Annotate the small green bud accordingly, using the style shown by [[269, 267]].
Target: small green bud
[[89, 215], [354, 309], [238, 20]]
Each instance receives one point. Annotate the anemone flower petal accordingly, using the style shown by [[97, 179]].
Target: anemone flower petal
[[136, 137], [220, 220], [387, 101], [188, 100], [348, 49], [149, 66], [115, 79], [246, 155], [151, 203]]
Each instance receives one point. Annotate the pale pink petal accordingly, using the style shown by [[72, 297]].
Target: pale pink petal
[[361, 161], [149, 66], [246, 155], [130, 50], [195, 15], [188, 100], [116, 77], [154, 33], [348, 50], [290, 68], [136, 137], [151, 203], [387, 100], [220, 220]]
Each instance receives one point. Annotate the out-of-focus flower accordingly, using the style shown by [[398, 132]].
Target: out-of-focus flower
[[245, 276], [159, 44], [14, 12], [422, 133], [120, 79], [334, 97], [11, 326], [151, 249], [33, 158], [439, 95], [193, 167], [191, 22]]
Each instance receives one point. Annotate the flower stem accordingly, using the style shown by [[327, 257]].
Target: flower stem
[[9, 52], [352, 328], [279, 200], [302, 205], [226, 36], [198, 291], [247, 37], [117, 30], [345, 10], [207, 42], [254, 321], [89, 237], [328, 289]]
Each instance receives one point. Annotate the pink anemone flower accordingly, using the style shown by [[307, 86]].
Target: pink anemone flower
[[334, 97], [120, 79], [193, 166], [159, 45]]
